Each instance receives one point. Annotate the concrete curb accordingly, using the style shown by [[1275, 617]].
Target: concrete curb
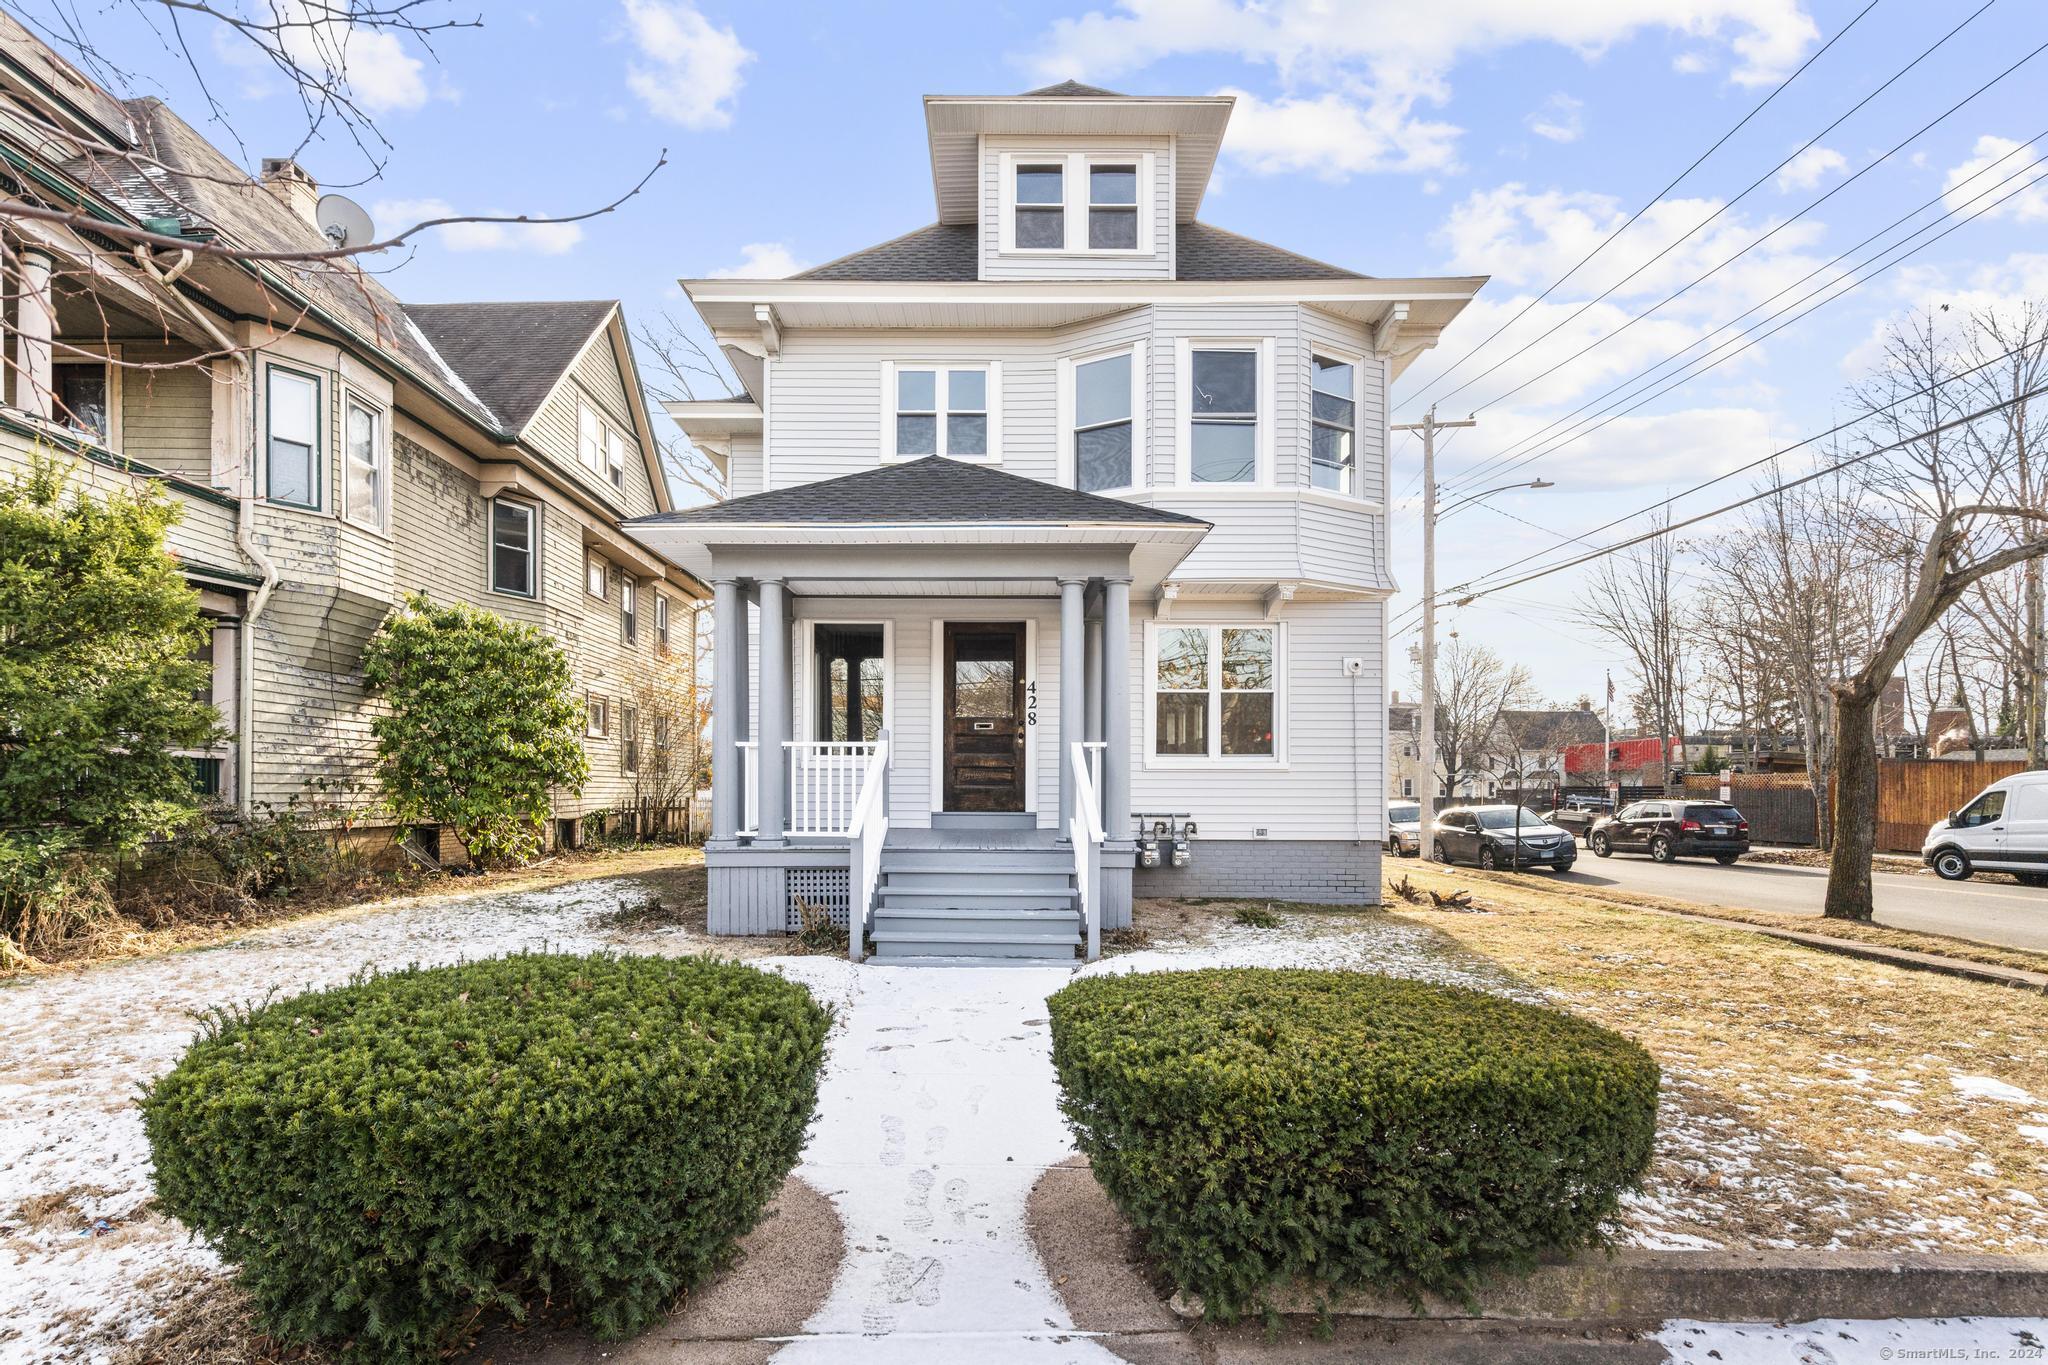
[[1732, 1286], [1876, 952]]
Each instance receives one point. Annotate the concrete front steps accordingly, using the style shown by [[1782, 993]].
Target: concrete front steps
[[991, 904]]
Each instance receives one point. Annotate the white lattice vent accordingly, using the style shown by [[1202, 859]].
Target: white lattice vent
[[819, 887]]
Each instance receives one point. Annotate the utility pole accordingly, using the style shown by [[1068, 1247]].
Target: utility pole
[[1429, 427]]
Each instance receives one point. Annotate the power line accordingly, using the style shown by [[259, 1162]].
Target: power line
[[1501, 463], [1654, 199]]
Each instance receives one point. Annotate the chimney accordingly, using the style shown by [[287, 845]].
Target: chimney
[[289, 184]]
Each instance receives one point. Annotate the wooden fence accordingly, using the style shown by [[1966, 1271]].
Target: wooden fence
[[1912, 793], [1778, 806]]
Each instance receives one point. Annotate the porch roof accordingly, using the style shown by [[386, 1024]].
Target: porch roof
[[929, 492]]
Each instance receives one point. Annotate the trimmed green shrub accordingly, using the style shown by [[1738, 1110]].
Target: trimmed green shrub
[[1362, 1131], [387, 1160]]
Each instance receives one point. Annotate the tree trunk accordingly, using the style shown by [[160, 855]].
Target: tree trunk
[[1855, 813]]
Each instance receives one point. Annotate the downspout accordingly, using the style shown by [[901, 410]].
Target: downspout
[[245, 526]]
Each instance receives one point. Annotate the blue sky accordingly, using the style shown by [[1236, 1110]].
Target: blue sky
[[1452, 136]]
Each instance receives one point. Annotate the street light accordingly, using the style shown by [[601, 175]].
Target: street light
[[1429, 427]]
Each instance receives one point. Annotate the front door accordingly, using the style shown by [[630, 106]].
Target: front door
[[984, 716]]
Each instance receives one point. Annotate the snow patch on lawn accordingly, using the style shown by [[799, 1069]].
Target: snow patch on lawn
[[1847, 1339], [1989, 1088]]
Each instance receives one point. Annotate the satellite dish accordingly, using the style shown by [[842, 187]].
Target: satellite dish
[[344, 221]]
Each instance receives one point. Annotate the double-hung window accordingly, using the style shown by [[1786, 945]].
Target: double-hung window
[[1333, 424], [593, 576], [629, 739], [942, 410], [1041, 196], [661, 623], [1112, 207], [1104, 406], [589, 437], [1215, 692], [629, 609], [292, 460], [615, 456], [364, 485], [513, 547], [1223, 414], [597, 712]]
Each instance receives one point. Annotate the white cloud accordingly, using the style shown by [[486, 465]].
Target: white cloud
[[1692, 63], [1975, 185], [1333, 137], [762, 261], [1368, 67], [1811, 167], [1559, 119], [381, 76], [548, 239], [690, 72]]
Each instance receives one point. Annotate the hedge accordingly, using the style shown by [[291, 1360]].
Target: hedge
[[1258, 1126], [386, 1161]]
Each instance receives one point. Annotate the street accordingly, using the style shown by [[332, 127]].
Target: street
[[1988, 908]]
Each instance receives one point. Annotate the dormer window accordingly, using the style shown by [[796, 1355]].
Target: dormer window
[[1041, 207], [1113, 207]]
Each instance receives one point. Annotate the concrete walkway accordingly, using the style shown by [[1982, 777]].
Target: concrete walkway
[[938, 1112]]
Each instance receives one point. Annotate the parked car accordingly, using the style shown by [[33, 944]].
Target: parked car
[[1673, 829], [1578, 812], [1502, 836], [2005, 829], [1404, 828]]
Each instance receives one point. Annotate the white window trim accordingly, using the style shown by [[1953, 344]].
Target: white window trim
[[991, 369], [1075, 187], [610, 477], [532, 510], [381, 441], [1184, 407], [588, 415], [1275, 761], [661, 622], [803, 650], [1069, 400], [594, 704], [108, 355], [319, 381], [590, 559], [1357, 364], [629, 597]]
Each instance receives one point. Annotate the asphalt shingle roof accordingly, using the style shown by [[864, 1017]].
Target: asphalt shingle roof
[[510, 354], [931, 490], [947, 253], [1071, 90]]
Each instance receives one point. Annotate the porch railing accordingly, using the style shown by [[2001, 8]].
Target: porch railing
[[750, 786], [866, 832], [825, 779], [1085, 833]]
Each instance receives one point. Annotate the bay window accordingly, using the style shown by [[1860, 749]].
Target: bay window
[[1333, 424], [1215, 691], [937, 409], [1223, 415], [292, 452], [363, 458]]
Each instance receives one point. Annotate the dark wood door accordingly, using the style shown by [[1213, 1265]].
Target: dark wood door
[[984, 718]]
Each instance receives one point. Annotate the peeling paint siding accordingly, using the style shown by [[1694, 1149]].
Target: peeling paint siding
[[597, 379], [167, 415], [315, 724], [204, 533]]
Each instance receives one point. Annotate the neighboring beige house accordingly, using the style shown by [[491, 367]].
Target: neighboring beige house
[[333, 448], [1056, 567], [1531, 741]]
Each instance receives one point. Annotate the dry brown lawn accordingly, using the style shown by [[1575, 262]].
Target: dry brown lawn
[[1812, 1099]]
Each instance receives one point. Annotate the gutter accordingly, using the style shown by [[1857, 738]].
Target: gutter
[[245, 529]]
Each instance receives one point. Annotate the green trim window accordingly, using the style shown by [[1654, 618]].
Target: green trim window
[[292, 427]]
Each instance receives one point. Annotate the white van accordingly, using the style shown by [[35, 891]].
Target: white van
[[2004, 830]]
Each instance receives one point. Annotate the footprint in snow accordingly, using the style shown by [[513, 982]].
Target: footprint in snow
[[914, 1280], [892, 1141], [919, 1202]]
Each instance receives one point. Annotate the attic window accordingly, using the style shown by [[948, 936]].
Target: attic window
[[1113, 208], [1041, 206]]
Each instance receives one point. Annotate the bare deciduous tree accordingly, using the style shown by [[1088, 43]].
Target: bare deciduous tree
[[1631, 602], [1474, 687]]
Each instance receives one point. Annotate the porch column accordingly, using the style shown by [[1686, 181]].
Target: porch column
[[1094, 671], [728, 686], [1117, 755], [772, 726], [1073, 684], [34, 323]]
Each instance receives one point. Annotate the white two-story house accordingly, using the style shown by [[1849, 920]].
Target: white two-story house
[[1055, 568]]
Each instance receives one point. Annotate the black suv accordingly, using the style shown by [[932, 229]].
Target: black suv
[[1673, 829], [1496, 836]]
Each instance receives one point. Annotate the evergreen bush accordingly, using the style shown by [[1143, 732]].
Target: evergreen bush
[[1258, 1126], [386, 1161]]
